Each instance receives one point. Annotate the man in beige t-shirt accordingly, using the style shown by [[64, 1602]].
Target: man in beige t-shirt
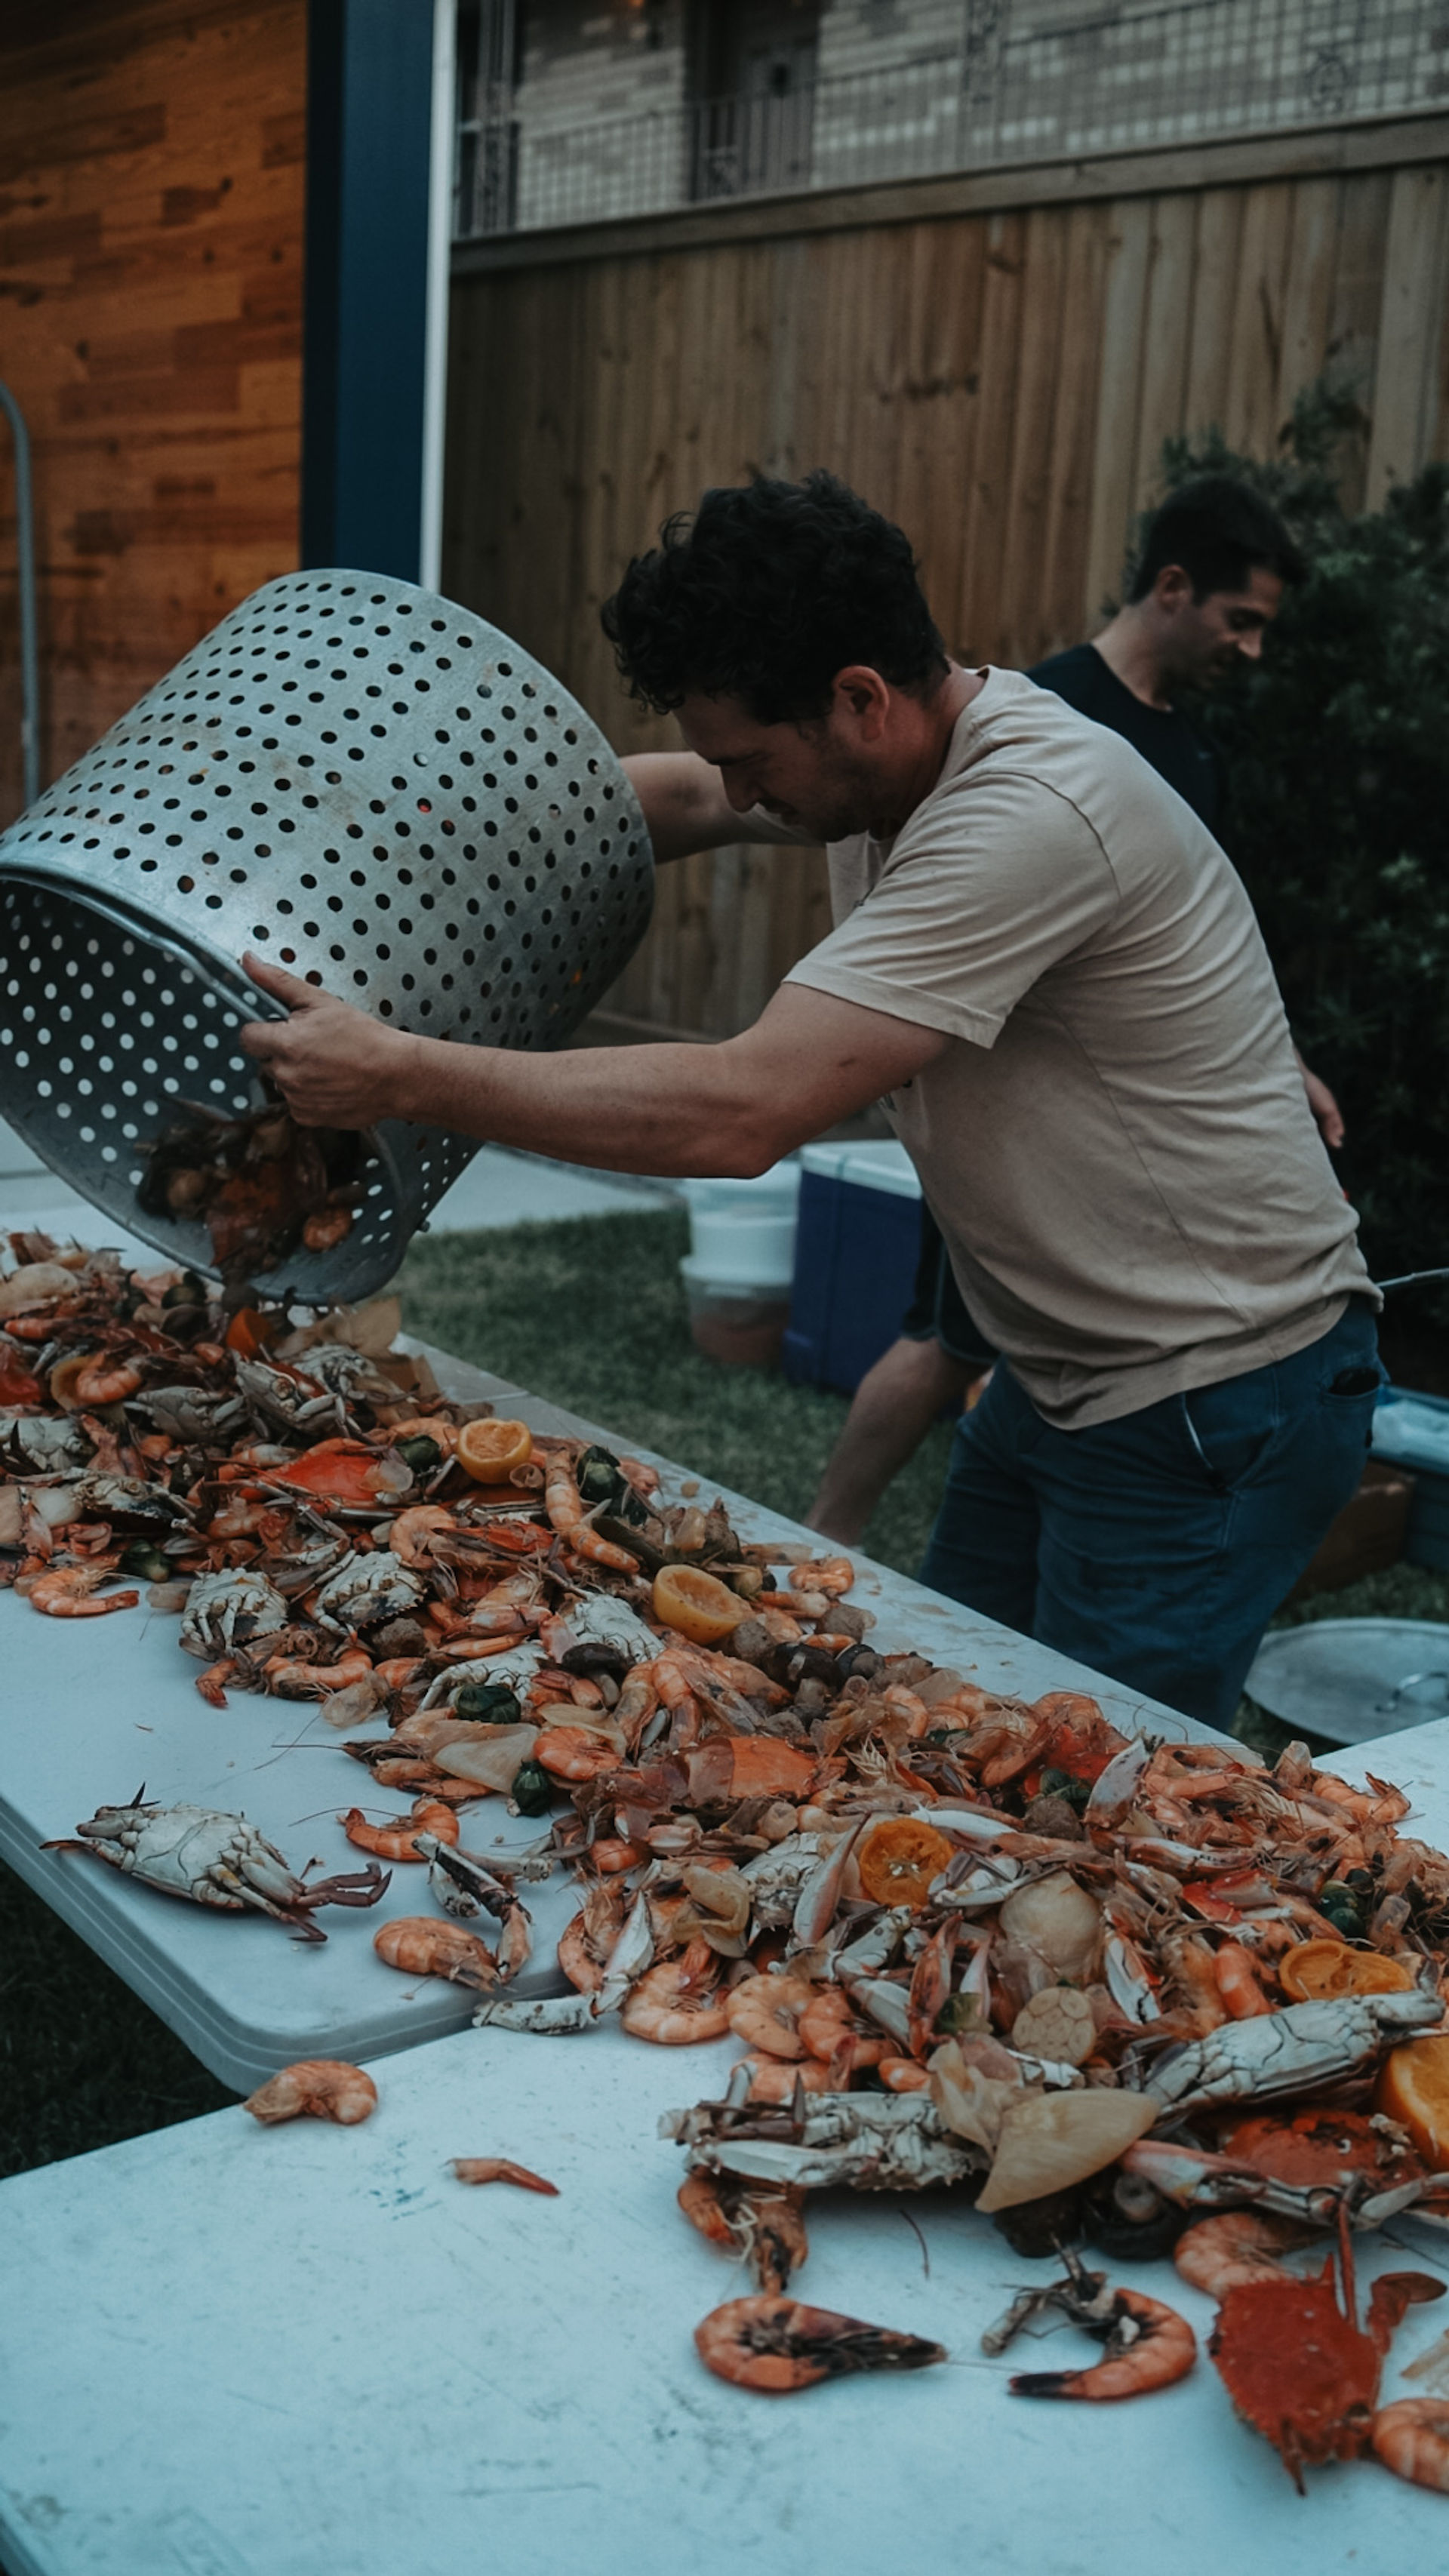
[[1047, 968]]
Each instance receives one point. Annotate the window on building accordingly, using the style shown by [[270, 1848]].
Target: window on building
[[752, 91]]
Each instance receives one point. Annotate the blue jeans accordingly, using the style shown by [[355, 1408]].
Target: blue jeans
[[1156, 1548]]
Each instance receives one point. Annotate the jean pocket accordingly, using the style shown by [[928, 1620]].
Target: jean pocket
[[1351, 1385], [1232, 1426]]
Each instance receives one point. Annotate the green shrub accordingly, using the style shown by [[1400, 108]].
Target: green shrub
[[1336, 747]]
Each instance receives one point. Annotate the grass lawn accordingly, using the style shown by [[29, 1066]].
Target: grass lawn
[[590, 1313]]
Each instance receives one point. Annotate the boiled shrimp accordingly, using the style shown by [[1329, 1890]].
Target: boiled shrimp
[[564, 1505], [412, 1530], [610, 1856], [212, 1683], [903, 2075], [287, 1678], [776, 2345], [827, 2027], [674, 2004], [1236, 2245], [96, 1384], [69, 1593], [1385, 1807], [831, 1574], [499, 2169], [316, 2088], [700, 2197], [569, 1753], [422, 1946], [1236, 1974], [1148, 2346], [398, 1841], [777, 2079], [764, 2223], [1411, 2437], [765, 2013]]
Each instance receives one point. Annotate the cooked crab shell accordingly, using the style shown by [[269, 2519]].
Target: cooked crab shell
[[1291, 2051], [128, 1500], [192, 1414], [47, 1447], [366, 1589], [228, 1609], [217, 1859], [348, 1373], [873, 2141], [287, 1397]]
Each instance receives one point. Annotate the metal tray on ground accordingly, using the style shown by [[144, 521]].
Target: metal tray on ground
[[94, 1707], [1350, 1680]]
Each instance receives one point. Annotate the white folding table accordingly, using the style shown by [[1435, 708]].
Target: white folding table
[[92, 1709], [233, 2352], [237, 2352]]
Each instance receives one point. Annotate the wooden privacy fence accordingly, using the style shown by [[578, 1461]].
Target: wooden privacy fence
[[995, 362]]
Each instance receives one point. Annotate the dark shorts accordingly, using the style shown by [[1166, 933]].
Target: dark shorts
[[937, 1311]]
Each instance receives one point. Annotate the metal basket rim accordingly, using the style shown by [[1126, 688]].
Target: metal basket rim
[[202, 962]]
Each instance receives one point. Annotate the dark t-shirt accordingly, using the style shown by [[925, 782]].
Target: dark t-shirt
[[1175, 748]]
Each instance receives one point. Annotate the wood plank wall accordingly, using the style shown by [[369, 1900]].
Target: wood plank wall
[[151, 229], [999, 382]]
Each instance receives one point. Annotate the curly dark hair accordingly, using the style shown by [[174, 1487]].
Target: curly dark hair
[[1219, 530], [767, 592]]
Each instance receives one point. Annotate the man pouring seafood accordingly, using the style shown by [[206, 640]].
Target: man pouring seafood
[[1047, 970]]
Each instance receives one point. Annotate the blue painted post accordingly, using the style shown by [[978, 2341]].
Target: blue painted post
[[369, 143]]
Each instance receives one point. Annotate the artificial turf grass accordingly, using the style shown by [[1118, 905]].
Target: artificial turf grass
[[591, 1313]]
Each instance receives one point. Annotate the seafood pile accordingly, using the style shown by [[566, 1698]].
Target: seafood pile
[[1140, 1996], [260, 1184]]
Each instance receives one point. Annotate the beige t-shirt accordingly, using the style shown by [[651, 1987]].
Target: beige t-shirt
[[1116, 1145]]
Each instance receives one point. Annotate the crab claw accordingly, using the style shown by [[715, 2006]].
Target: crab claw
[[348, 1887]]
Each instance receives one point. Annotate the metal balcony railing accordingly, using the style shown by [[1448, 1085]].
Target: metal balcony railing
[[1106, 82]]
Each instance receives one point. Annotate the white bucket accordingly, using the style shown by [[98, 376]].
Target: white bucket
[[771, 1193], [757, 1248], [742, 1233]]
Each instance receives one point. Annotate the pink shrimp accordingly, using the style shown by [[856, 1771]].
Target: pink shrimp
[[1236, 1972], [289, 1679], [69, 1592], [564, 1505], [97, 1384], [398, 1840], [674, 2004]]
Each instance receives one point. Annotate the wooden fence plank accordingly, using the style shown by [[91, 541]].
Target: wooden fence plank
[[1411, 330], [1212, 292], [1114, 478], [1166, 339], [1256, 344], [999, 382]]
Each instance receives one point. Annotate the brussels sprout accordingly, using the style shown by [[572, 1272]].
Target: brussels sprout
[[422, 1454], [188, 1290], [493, 1702], [533, 1791], [145, 1560]]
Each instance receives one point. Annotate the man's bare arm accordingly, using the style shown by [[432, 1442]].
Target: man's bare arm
[[685, 805], [731, 1109]]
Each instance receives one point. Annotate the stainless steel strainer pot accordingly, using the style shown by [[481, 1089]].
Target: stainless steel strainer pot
[[362, 781]]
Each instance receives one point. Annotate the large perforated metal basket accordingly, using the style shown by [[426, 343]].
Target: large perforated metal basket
[[362, 781]]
